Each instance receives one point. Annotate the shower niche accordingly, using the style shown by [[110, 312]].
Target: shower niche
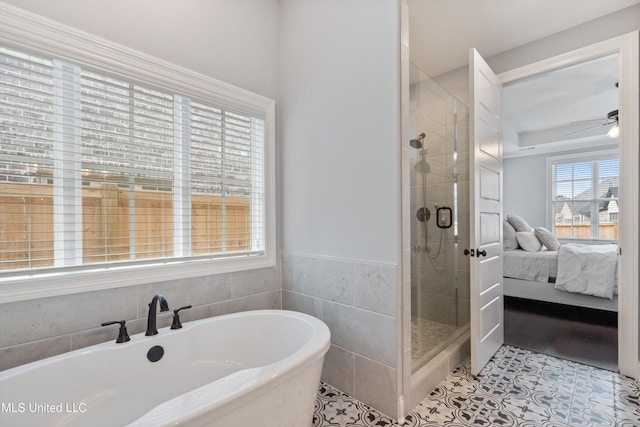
[[438, 155]]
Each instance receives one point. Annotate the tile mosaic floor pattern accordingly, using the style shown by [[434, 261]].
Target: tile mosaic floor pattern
[[516, 388]]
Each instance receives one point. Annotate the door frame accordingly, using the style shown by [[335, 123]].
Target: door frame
[[628, 48]]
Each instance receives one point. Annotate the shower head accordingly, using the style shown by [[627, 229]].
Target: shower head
[[417, 142]]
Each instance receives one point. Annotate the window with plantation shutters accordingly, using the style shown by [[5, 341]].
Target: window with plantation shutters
[[98, 169], [584, 200]]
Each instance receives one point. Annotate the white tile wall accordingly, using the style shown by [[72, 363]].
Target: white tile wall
[[357, 300], [39, 328]]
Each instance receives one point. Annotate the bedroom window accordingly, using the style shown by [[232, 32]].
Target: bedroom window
[[119, 168], [584, 202]]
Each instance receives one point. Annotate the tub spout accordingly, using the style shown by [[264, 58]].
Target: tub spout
[[151, 320]]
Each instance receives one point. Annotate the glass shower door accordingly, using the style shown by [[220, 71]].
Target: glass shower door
[[439, 171]]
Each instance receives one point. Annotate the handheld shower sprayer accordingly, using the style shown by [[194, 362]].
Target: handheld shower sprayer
[[417, 142]]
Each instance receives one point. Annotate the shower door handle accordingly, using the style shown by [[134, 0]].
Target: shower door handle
[[467, 252]]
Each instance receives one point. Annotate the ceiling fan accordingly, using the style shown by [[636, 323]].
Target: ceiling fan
[[611, 119]]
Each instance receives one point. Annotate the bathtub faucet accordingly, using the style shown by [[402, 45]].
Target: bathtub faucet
[[151, 320]]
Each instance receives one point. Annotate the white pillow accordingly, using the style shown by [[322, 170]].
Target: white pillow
[[518, 223], [528, 241], [509, 240], [547, 238]]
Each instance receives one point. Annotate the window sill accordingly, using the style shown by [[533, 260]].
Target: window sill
[[33, 286]]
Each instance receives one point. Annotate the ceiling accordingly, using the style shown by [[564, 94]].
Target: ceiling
[[538, 112], [442, 31]]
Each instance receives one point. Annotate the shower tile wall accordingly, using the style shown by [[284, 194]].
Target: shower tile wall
[[357, 300], [435, 279], [44, 327]]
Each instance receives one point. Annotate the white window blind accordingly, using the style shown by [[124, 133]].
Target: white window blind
[[99, 169], [27, 148], [585, 197]]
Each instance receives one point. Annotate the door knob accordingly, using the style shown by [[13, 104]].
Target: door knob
[[467, 252], [481, 252]]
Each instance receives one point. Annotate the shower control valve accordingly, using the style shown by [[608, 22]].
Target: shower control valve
[[423, 214]]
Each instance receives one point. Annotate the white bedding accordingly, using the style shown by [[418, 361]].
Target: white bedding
[[588, 269], [536, 266]]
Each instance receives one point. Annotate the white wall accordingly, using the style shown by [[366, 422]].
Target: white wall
[[525, 189], [340, 178], [233, 41], [339, 128]]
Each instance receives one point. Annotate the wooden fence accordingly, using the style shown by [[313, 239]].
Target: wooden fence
[[108, 233], [608, 231]]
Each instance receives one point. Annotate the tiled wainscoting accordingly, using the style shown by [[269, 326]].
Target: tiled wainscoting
[[39, 328], [357, 300], [517, 388]]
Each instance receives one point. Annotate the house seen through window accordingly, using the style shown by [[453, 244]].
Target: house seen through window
[[584, 202]]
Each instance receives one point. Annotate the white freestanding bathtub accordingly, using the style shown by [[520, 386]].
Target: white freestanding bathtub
[[256, 368]]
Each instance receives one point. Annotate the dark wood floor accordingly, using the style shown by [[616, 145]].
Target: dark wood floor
[[580, 334]]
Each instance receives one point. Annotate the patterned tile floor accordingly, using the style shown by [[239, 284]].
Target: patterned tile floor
[[516, 388]]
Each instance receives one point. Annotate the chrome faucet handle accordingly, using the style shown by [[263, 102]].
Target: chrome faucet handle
[[123, 336], [176, 318]]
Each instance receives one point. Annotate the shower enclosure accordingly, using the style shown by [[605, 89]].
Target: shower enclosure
[[439, 206]]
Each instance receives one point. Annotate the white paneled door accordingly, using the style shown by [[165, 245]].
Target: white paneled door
[[487, 315]]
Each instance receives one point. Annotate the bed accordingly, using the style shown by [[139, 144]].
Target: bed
[[576, 268]]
